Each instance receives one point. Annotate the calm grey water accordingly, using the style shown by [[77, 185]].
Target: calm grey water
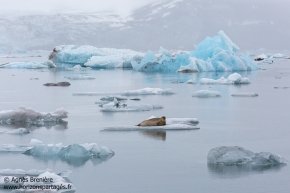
[[170, 162]]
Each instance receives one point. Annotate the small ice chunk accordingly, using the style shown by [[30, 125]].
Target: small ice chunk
[[148, 91], [79, 77], [206, 94], [234, 78], [238, 156], [116, 106], [245, 95]]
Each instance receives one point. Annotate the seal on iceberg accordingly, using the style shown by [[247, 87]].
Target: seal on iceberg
[[153, 122]]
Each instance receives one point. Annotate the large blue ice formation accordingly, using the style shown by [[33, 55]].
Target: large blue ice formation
[[217, 53]]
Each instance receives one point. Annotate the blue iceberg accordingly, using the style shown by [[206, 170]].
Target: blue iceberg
[[217, 53]]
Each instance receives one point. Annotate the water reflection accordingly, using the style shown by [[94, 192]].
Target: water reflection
[[158, 135], [61, 125], [239, 171]]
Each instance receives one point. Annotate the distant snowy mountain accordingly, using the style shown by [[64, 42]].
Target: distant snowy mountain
[[173, 24]]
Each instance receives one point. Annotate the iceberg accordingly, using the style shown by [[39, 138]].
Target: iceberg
[[28, 65], [172, 124], [28, 117], [206, 94], [26, 180], [217, 53], [90, 56], [238, 156], [234, 78], [138, 92], [117, 106], [75, 154]]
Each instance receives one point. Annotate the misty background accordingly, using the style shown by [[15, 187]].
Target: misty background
[[142, 25]]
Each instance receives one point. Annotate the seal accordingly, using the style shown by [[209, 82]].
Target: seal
[[153, 122], [63, 84]]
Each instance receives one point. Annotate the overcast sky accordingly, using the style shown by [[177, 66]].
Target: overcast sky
[[123, 7]]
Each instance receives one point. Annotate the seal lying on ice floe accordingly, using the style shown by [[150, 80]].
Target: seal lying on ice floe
[[153, 122]]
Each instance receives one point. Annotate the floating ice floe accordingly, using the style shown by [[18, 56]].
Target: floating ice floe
[[245, 95], [117, 106], [206, 94], [79, 77], [75, 154], [28, 181], [216, 53], [238, 156], [138, 92], [234, 78], [270, 58], [28, 117], [148, 91], [90, 56], [19, 131], [172, 124], [28, 65]]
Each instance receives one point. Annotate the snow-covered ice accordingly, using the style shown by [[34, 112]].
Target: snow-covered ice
[[29, 117], [238, 156], [44, 178], [28, 65], [172, 124], [206, 94], [138, 92], [234, 78], [75, 154]]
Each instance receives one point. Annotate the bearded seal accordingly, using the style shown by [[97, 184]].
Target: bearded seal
[[153, 122]]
